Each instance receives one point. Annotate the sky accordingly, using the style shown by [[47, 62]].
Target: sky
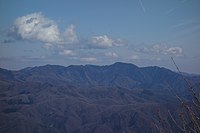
[[100, 32]]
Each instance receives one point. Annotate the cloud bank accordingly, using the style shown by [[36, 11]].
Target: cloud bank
[[102, 42], [38, 27], [163, 49]]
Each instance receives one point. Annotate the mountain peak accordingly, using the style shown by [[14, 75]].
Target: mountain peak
[[123, 64]]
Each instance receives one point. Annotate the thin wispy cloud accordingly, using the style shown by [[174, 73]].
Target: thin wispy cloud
[[184, 1], [170, 11], [187, 23], [70, 35], [142, 6], [187, 29], [134, 57], [88, 59], [66, 52]]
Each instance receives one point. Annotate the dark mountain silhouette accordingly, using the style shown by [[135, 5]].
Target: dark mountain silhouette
[[118, 98], [118, 74]]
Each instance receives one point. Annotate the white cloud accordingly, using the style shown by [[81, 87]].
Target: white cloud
[[105, 42], [70, 35], [119, 42], [67, 52], [111, 54], [163, 49], [37, 27], [89, 59], [101, 41], [158, 48], [175, 51]]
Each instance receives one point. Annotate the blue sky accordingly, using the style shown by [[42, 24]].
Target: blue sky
[[65, 32]]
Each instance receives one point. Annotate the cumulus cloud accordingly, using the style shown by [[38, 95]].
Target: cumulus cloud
[[36, 26], [111, 54], [163, 49], [104, 42], [101, 41]]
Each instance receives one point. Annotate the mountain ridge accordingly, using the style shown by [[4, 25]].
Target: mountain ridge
[[90, 65], [120, 74], [94, 99]]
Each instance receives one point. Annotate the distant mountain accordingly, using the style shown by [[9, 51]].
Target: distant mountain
[[117, 98], [118, 74]]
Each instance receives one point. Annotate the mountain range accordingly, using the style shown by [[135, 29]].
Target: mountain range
[[117, 98]]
